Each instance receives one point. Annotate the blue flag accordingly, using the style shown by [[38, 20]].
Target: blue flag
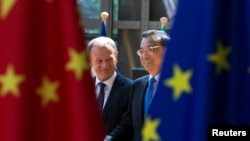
[[205, 78], [103, 31]]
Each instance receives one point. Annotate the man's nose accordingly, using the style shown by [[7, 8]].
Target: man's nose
[[105, 64]]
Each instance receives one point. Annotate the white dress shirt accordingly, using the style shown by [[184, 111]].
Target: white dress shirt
[[107, 89], [155, 84]]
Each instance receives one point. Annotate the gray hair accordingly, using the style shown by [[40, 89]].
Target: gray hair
[[101, 41]]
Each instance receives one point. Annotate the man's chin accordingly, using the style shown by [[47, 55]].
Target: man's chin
[[104, 77]]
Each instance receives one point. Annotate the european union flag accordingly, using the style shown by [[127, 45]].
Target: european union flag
[[205, 78], [103, 31]]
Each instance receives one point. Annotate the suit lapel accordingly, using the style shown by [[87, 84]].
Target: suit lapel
[[112, 96], [142, 90]]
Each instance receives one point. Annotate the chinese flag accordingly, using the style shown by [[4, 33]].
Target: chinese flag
[[46, 90]]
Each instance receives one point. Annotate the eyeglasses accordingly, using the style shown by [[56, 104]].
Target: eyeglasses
[[150, 50]]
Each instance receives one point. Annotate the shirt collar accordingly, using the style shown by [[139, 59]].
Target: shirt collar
[[156, 77], [108, 82]]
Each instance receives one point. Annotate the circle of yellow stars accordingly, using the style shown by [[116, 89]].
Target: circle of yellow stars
[[180, 82]]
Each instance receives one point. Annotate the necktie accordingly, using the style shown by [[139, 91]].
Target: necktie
[[149, 95], [101, 94]]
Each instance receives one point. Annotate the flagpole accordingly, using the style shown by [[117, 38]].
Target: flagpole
[[104, 15]]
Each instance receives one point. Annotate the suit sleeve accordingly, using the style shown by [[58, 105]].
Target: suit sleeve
[[124, 130]]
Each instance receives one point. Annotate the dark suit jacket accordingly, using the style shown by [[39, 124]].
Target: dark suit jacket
[[134, 117], [117, 102]]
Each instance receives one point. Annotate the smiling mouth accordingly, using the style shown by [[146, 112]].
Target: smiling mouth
[[147, 62]]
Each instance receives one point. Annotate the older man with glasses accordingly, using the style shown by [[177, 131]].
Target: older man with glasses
[[151, 52]]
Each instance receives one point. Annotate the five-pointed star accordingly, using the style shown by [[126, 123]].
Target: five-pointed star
[[78, 63], [5, 8], [10, 82], [179, 82], [220, 58], [47, 91], [149, 131]]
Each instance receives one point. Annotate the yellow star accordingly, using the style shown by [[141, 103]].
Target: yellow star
[[5, 7], [149, 131], [47, 91], [10, 82], [179, 82], [220, 58], [78, 63]]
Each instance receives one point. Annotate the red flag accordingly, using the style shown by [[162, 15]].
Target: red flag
[[46, 90]]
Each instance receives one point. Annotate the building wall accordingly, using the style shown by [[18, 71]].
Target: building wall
[[127, 19]]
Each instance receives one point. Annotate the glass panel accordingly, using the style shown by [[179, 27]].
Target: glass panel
[[128, 42], [129, 10], [115, 9], [157, 10], [90, 9], [128, 39], [94, 31]]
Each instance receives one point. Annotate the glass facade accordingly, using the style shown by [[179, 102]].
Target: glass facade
[[128, 19]]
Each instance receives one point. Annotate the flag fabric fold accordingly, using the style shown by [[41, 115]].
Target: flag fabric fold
[[205, 77], [46, 90], [171, 8], [103, 31]]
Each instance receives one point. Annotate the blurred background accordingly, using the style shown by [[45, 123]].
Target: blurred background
[[127, 19]]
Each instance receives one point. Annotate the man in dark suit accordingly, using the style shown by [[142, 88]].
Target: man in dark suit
[[151, 52], [112, 88]]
